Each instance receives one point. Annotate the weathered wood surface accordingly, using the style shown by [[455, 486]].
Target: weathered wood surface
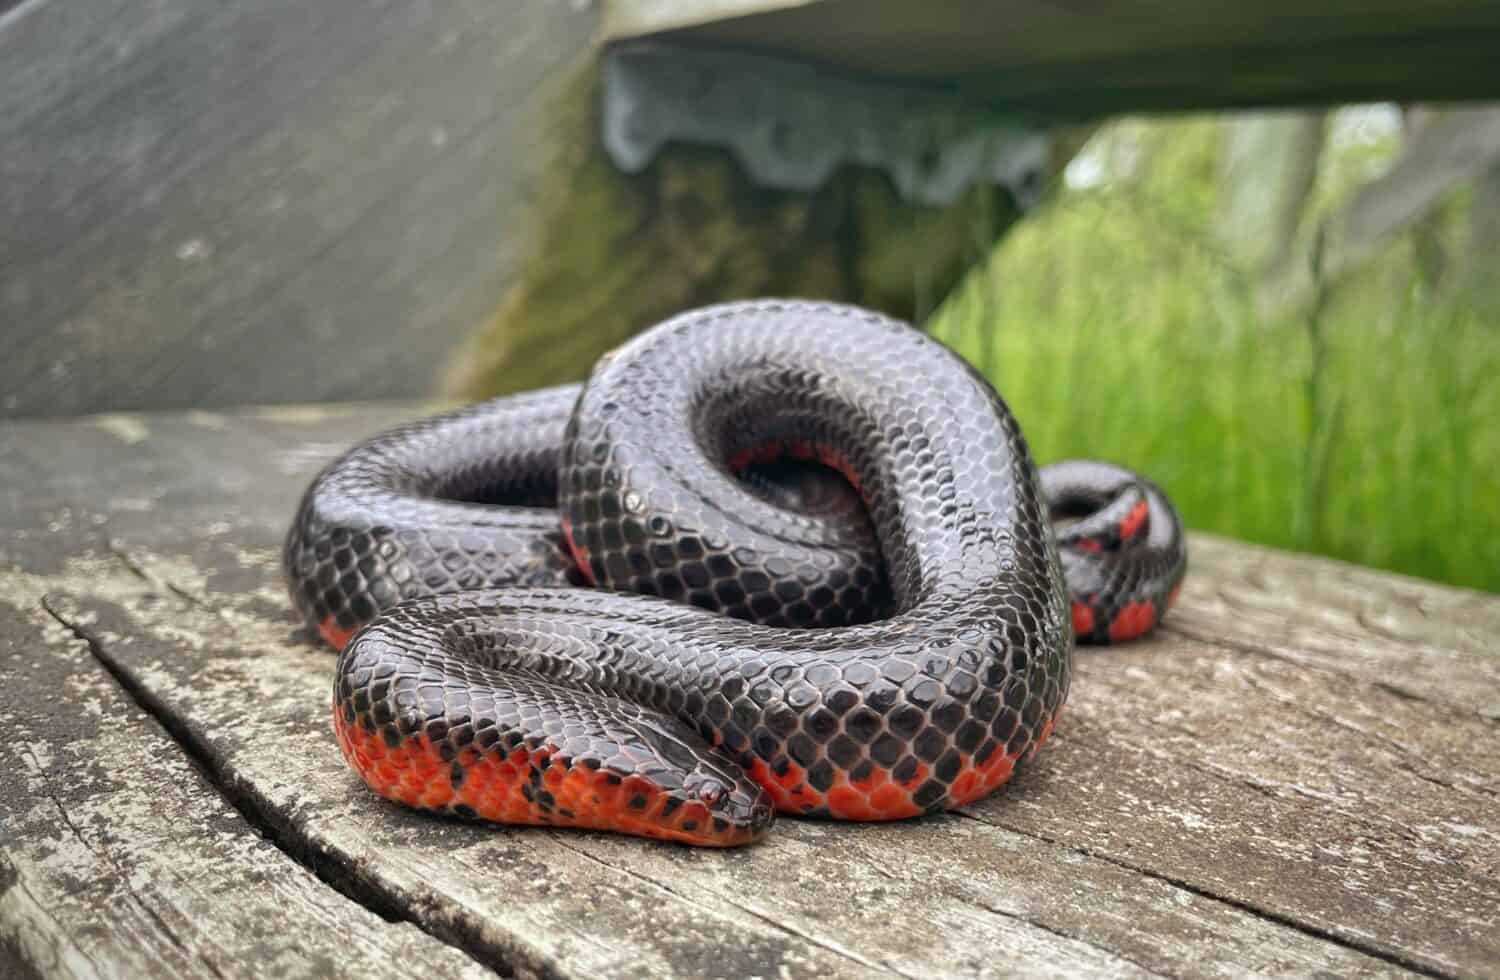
[[1302, 776], [207, 203], [1088, 59], [120, 859]]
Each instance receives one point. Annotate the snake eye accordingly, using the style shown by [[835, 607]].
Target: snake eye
[[710, 793]]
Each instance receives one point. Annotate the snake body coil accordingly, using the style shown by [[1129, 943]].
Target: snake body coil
[[946, 640]]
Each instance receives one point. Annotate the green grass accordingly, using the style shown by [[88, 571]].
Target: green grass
[[1113, 331]]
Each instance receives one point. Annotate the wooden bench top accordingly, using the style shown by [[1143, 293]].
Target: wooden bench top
[[1300, 775]]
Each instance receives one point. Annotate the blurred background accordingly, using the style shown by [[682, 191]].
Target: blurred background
[[1181, 304], [1247, 275]]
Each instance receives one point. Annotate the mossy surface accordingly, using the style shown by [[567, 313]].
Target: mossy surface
[[607, 254]]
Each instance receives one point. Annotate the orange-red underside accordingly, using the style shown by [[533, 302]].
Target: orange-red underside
[[414, 772], [879, 796], [1133, 520], [335, 635]]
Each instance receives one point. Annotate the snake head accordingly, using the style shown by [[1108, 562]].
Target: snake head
[[715, 808]]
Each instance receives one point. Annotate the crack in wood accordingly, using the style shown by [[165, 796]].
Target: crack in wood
[[1280, 696], [779, 926], [1363, 618], [140, 571], [1249, 908], [13, 957], [1478, 788], [1183, 631], [1275, 789], [1372, 821], [334, 870], [1060, 933], [816, 940], [107, 856], [1407, 694], [1406, 752]]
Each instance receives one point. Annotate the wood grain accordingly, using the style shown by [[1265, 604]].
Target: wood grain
[[1225, 800], [1416, 639], [120, 859]]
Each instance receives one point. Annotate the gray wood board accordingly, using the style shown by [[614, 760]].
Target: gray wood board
[[1089, 59], [1300, 776], [210, 204], [120, 859]]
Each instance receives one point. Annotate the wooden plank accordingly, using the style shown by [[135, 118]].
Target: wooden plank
[[1259, 804], [207, 204], [119, 859], [1415, 639], [1309, 799], [1090, 59], [817, 899]]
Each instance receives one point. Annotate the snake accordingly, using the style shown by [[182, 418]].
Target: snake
[[771, 557]]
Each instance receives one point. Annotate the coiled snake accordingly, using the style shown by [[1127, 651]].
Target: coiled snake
[[763, 638]]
